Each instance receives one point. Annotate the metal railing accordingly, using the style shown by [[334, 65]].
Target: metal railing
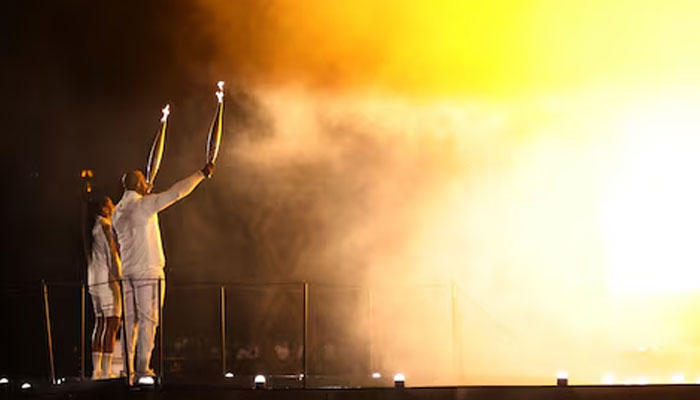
[[223, 316]]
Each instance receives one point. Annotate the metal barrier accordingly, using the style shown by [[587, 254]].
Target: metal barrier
[[223, 320]]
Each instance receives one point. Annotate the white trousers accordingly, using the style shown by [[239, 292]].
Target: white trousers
[[142, 302]]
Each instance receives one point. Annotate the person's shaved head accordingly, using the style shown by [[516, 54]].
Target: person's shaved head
[[134, 180]]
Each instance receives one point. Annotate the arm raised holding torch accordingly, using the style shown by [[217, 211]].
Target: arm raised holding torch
[[217, 127], [156, 154]]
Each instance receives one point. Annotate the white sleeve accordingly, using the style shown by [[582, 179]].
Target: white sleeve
[[154, 203]]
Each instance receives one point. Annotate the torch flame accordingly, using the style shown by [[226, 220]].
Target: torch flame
[[166, 112], [220, 92]]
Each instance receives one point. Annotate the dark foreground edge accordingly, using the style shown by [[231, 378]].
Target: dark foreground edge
[[174, 391]]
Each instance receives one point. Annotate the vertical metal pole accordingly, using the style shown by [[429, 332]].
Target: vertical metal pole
[[125, 344], [305, 338], [161, 370], [82, 330], [222, 296], [456, 334], [49, 337]]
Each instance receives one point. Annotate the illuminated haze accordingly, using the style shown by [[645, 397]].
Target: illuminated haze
[[538, 156]]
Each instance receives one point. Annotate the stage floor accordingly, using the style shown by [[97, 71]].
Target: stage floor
[[117, 389]]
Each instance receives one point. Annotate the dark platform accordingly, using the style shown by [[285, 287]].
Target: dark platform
[[119, 390]]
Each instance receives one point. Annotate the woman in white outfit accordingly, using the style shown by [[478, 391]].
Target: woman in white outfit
[[103, 274]]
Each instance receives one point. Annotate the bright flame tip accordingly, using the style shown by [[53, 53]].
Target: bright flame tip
[[166, 112]]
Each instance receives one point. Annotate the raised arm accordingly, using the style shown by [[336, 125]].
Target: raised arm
[[116, 270], [158, 202]]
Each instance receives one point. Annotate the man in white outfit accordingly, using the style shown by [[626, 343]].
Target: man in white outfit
[[135, 222]]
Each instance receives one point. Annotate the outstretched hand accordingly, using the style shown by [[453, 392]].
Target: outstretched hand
[[208, 170]]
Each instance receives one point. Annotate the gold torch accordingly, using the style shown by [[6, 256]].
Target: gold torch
[[156, 154], [217, 126]]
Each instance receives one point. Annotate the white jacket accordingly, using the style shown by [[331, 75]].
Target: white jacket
[[135, 221]]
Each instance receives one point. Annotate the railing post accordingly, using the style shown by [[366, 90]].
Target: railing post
[[305, 333], [161, 371], [82, 330], [49, 337], [125, 343], [222, 296]]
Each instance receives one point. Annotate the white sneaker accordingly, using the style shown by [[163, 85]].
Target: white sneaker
[[147, 377], [96, 374]]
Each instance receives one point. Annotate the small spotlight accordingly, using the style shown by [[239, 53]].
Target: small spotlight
[[562, 378], [301, 376], [678, 378], [376, 375], [26, 385], [229, 374], [260, 382], [608, 379], [642, 380], [399, 380], [147, 380], [4, 381]]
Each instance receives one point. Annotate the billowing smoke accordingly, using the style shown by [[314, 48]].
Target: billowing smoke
[[471, 230]]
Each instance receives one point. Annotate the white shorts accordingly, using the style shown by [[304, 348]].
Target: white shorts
[[106, 301]]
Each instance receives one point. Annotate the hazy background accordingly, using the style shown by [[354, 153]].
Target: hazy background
[[478, 192]]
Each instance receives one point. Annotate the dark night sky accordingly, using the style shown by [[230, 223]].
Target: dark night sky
[[83, 83]]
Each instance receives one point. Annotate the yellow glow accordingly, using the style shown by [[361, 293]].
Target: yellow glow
[[651, 213], [541, 154], [490, 47]]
